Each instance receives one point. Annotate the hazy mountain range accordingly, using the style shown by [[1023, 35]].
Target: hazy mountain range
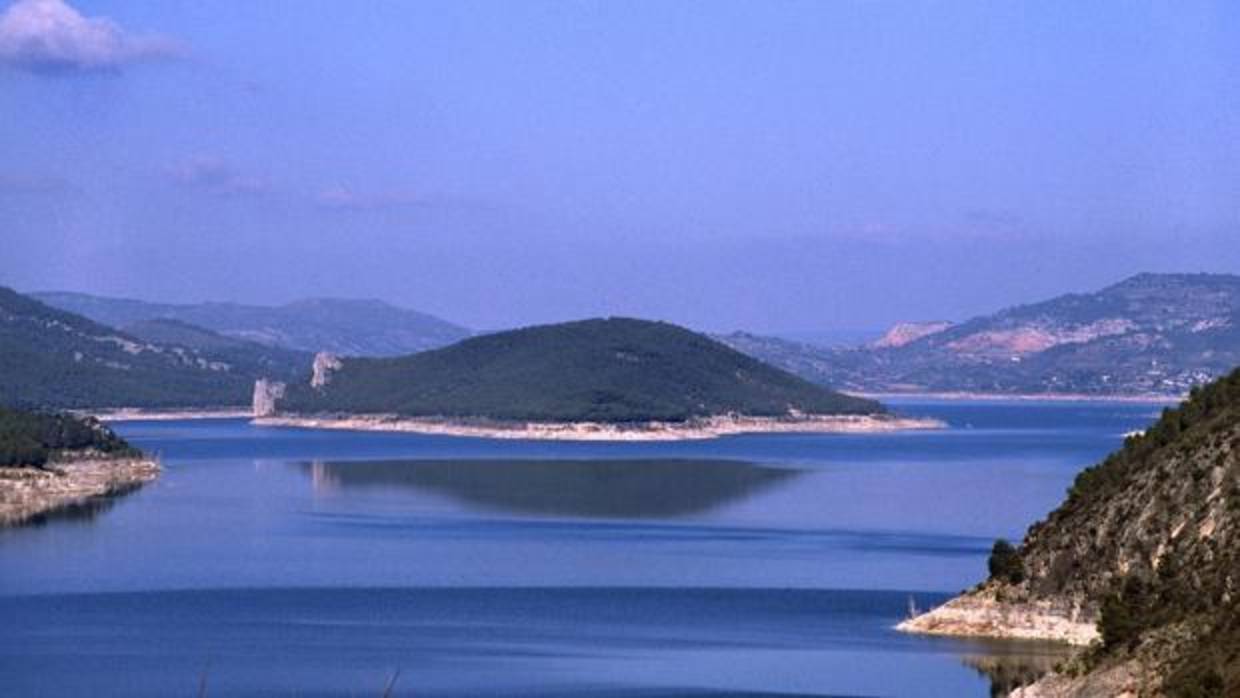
[[341, 326], [1151, 333]]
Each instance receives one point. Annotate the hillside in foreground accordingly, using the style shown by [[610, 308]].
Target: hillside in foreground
[[1143, 557], [1149, 334], [604, 370]]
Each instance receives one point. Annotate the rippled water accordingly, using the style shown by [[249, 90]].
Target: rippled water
[[294, 562]]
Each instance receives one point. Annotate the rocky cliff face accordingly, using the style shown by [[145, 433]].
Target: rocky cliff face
[[266, 394], [1147, 546]]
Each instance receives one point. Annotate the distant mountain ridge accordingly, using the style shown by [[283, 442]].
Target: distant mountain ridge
[[605, 370], [341, 326], [54, 358], [1149, 334]]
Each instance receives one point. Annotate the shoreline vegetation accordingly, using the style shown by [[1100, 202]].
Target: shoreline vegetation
[[54, 463], [691, 429]]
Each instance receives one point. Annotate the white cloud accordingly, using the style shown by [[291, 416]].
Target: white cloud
[[216, 176], [51, 36]]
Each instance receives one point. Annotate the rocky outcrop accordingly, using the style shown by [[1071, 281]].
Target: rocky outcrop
[[325, 363], [266, 394], [905, 332], [984, 613], [26, 493]]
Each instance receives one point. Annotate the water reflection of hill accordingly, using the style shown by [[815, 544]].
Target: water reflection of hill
[[656, 488]]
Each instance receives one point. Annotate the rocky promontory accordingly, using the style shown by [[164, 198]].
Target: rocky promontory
[[26, 493], [1141, 563]]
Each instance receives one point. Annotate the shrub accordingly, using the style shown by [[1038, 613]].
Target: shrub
[[1005, 563]]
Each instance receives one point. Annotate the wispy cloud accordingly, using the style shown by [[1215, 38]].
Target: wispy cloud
[[49, 36], [346, 198], [216, 176]]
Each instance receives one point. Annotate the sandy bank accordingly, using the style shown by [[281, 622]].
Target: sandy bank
[[980, 614], [132, 414], [1145, 398], [29, 492], [705, 428]]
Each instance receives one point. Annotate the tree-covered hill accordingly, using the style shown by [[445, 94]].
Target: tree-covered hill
[[55, 359], [31, 438], [608, 370], [245, 357]]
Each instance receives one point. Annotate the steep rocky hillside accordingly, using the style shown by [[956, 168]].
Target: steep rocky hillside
[[341, 326], [1150, 334], [1147, 545]]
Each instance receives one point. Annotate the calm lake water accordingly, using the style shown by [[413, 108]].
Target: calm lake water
[[294, 562]]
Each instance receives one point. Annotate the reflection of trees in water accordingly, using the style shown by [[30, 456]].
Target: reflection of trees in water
[[1014, 664], [650, 488], [82, 510]]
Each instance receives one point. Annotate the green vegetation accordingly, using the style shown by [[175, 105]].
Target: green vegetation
[[1184, 429], [1005, 563], [54, 359], [31, 438], [1151, 538], [612, 370]]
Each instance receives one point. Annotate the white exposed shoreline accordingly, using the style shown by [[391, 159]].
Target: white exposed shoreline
[[1141, 398], [133, 414], [28, 492], [703, 428], [980, 614]]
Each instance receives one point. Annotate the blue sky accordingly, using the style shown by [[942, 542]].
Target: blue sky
[[773, 166]]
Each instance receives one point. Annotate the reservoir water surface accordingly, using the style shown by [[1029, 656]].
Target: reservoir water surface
[[314, 563]]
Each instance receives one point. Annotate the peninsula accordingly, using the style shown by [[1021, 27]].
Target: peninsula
[[603, 379], [55, 462], [1140, 564]]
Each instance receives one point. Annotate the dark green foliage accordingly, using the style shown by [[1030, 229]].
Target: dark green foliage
[[54, 359], [1125, 615], [30, 438], [1005, 563], [614, 370], [1182, 427]]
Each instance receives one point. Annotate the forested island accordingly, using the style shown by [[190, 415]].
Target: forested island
[[615, 377]]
